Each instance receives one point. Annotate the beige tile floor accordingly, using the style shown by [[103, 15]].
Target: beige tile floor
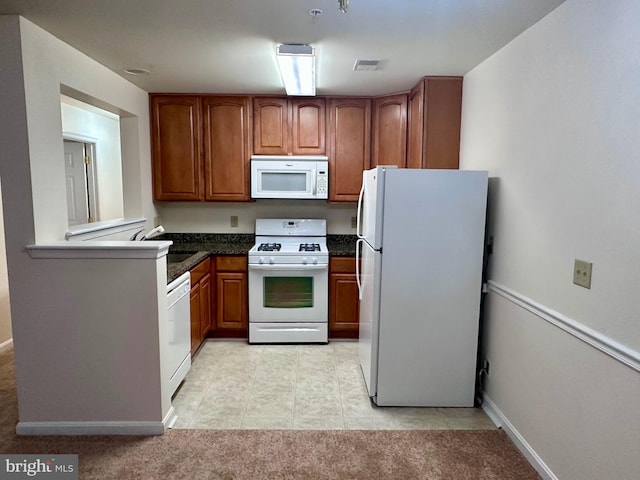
[[235, 385]]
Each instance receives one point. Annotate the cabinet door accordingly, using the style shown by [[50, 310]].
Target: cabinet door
[[205, 306], [231, 300], [195, 317], [308, 121], [270, 126], [176, 151], [415, 126], [226, 148], [349, 146], [344, 306], [442, 113], [390, 131]]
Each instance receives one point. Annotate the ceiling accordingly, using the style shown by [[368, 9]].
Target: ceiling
[[228, 46]]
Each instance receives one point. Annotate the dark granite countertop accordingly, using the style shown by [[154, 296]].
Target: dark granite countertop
[[341, 245], [203, 245], [174, 270]]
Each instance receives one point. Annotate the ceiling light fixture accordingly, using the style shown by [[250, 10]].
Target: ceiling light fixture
[[343, 5], [297, 64]]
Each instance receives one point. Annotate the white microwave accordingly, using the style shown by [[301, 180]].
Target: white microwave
[[289, 176]]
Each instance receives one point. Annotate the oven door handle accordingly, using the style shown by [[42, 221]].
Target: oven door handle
[[301, 268]]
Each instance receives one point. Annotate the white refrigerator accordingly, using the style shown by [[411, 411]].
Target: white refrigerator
[[421, 238]]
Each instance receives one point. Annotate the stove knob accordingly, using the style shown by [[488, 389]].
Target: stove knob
[[304, 260], [314, 260], [271, 261], [261, 260]]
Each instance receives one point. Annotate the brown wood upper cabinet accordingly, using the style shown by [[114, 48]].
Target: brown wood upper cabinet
[[349, 146], [200, 147], [435, 106], [284, 126], [390, 130], [226, 148], [176, 147]]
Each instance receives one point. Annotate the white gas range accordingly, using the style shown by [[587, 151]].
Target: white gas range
[[289, 282]]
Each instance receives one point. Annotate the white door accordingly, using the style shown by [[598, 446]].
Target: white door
[[369, 315], [370, 207], [76, 181]]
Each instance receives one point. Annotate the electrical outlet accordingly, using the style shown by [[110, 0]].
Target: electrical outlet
[[234, 220], [582, 273], [354, 222]]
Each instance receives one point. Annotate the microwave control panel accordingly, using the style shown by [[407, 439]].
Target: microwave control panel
[[322, 182]]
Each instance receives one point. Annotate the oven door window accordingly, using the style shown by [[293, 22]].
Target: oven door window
[[291, 182], [288, 292]]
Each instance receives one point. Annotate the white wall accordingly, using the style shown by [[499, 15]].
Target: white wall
[[50, 65], [554, 117], [35, 69], [214, 217], [81, 122], [94, 343]]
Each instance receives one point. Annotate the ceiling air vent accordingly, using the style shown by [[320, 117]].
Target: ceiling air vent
[[366, 65]]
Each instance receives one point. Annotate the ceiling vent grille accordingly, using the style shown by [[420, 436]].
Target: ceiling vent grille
[[366, 65]]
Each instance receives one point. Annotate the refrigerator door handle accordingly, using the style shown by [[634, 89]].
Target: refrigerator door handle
[[358, 267], [359, 213]]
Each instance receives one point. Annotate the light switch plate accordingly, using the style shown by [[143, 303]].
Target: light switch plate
[[354, 222], [582, 273], [234, 220]]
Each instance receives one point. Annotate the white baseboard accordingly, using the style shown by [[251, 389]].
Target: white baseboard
[[6, 344], [501, 421], [97, 428], [170, 418]]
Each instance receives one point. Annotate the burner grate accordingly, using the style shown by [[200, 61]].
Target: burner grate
[[269, 247], [309, 247]]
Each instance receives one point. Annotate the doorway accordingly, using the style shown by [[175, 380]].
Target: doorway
[[79, 169]]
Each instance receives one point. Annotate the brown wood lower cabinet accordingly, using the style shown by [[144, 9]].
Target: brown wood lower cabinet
[[232, 301], [205, 306], [201, 303], [195, 318], [344, 307]]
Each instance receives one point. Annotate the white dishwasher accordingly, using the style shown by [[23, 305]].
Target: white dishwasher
[[179, 332]]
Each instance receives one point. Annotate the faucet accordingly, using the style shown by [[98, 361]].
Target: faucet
[[151, 233], [133, 237]]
